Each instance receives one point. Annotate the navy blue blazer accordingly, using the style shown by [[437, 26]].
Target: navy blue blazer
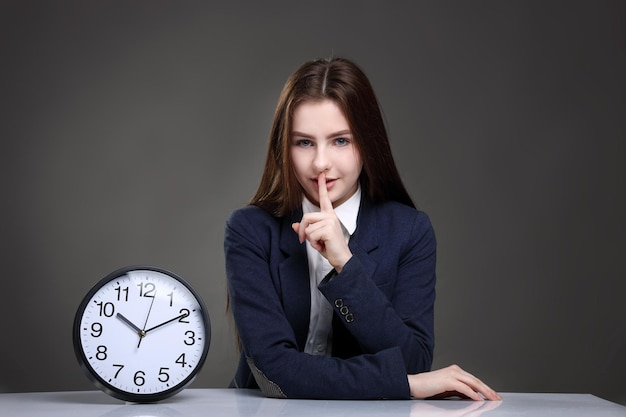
[[383, 301]]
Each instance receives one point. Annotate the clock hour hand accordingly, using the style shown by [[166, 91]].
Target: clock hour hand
[[140, 332], [168, 321]]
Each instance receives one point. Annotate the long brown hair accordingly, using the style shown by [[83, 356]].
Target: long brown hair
[[343, 82]]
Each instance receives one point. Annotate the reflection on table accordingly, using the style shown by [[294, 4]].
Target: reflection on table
[[250, 403]]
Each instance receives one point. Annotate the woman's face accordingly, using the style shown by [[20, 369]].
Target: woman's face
[[321, 141]]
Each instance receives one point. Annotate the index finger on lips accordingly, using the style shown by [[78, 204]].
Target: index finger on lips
[[325, 204]]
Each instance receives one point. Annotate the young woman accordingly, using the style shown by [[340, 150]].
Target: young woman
[[331, 268]]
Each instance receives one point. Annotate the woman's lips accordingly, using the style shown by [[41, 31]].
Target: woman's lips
[[329, 182]]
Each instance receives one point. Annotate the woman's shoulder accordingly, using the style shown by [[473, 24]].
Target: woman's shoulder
[[249, 214], [257, 227], [399, 212], [253, 218], [401, 223]]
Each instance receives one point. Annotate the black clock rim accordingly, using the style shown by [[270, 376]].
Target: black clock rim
[[112, 390]]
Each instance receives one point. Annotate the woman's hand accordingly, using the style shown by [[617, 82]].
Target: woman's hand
[[323, 230], [450, 381]]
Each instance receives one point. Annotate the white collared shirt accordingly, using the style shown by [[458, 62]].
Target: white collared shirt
[[319, 338]]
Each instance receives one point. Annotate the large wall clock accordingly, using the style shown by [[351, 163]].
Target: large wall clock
[[141, 334]]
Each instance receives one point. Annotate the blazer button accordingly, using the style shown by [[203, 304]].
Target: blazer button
[[344, 310], [349, 318], [339, 302]]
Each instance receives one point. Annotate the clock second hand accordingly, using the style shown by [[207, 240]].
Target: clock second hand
[[143, 332]]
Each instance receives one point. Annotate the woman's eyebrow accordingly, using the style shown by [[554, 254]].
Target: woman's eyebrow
[[340, 133], [332, 135], [302, 135]]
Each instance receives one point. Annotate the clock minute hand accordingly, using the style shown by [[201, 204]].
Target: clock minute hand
[[168, 321]]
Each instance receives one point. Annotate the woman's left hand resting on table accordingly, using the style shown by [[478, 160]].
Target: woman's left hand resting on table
[[448, 382]]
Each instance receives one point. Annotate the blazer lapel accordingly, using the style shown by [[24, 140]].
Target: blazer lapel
[[362, 243], [365, 238], [294, 279]]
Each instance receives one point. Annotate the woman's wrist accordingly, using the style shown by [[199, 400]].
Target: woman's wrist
[[342, 262]]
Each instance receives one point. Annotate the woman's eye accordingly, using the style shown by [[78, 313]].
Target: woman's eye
[[341, 141], [304, 143]]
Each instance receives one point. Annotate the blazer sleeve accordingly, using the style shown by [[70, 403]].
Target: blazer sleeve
[[268, 339], [397, 308]]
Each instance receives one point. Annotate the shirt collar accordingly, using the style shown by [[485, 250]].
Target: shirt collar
[[347, 212]]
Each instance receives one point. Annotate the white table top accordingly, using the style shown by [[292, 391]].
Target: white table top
[[231, 403]]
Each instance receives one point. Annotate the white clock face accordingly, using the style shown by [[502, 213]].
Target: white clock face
[[143, 333]]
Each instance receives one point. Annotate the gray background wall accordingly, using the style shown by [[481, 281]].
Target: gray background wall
[[130, 130]]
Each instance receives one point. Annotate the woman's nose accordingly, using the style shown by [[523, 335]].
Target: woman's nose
[[321, 162]]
